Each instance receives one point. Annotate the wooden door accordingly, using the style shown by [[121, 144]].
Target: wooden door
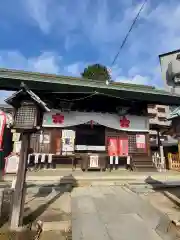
[[34, 142]]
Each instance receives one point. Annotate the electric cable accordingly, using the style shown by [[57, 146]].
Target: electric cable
[[79, 99], [128, 33]]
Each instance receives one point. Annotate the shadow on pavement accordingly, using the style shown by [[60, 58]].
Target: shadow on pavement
[[172, 192], [66, 184], [167, 227]]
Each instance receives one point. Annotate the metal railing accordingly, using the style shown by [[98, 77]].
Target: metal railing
[[158, 163]]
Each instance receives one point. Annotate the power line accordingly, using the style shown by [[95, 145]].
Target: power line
[[127, 35]]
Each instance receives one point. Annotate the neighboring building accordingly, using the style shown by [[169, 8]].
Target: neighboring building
[[158, 115], [170, 68]]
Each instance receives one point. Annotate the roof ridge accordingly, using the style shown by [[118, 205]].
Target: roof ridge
[[49, 75]]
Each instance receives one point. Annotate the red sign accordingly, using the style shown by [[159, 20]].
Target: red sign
[[123, 146], [58, 118], [112, 147], [124, 122]]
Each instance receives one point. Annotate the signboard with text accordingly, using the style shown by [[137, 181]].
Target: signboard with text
[[140, 141], [94, 161], [12, 162]]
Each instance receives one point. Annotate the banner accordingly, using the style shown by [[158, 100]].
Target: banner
[[94, 161], [140, 141], [123, 146], [73, 118], [112, 146], [68, 137]]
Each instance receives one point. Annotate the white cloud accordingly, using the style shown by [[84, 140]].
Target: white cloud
[[74, 69], [47, 62], [91, 18], [137, 79], [133, 71], [104, 27], [104, 23], [38, 11]]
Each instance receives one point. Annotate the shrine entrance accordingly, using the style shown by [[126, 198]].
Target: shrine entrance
[[90, 137], [118, 150]]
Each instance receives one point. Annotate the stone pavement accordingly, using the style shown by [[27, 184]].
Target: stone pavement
[[56, 175], [116, 213]]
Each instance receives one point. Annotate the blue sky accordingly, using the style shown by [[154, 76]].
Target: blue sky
[[64, 36]]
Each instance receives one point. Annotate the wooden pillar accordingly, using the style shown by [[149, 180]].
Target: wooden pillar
[[148, 145], [19, 191], [179, 148]]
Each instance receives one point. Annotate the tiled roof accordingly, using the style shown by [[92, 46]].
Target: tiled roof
[[34, 76], [11, 80]]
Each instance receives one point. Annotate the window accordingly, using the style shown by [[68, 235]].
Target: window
[[178, 57], [161, 110], [151, 106]]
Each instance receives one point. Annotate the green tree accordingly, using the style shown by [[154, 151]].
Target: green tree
[[96, 72]]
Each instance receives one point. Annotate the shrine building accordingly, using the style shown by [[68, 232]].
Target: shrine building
[[91, 118]]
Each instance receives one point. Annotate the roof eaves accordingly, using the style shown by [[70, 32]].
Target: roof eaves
[[168, 53], [32, 75], [50, 78]]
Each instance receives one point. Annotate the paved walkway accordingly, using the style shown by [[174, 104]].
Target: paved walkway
[[115, 213], [120, 175]]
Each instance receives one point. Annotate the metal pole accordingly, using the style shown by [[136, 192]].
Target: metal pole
[[19, 191]]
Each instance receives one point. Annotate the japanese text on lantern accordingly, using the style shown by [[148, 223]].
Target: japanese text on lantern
[[58, 118], [124, 122]]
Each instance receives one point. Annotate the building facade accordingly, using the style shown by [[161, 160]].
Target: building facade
[[158, 115], [170, 69], [90, 118]]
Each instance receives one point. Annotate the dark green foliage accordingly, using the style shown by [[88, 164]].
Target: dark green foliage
[[96, 72]]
